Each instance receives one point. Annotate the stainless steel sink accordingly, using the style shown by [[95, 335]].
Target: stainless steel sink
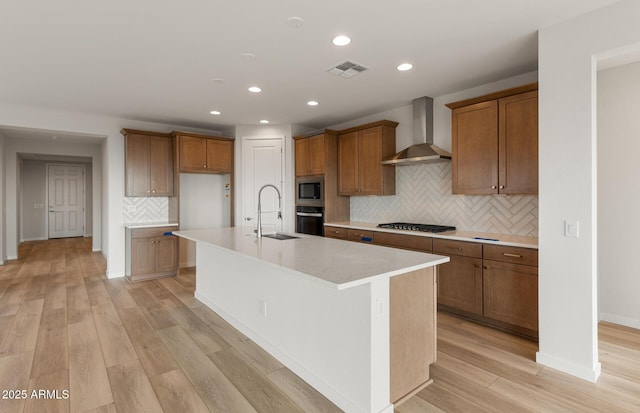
[[279, 236]]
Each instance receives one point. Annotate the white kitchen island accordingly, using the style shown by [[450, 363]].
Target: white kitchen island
[[355, 321]]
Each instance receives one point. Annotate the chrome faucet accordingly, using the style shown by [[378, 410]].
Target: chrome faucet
[[258, 230]]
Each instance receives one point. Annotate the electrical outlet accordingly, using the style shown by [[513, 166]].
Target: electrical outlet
[[571, 229], [263, 307]]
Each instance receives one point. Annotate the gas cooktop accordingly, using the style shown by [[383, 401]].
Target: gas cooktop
[[417, 227]]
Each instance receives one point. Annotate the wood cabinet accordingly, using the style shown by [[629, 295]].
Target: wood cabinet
[[408, 242], [412, 331], [495, 143], [511, 286], [148, 164], [460, 280], [360, 153], [335, 232], [150, 253], [204, 154], [359, 235], [309, 155]]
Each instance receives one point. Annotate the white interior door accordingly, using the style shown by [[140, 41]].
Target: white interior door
[[262, 163], [66, 201]]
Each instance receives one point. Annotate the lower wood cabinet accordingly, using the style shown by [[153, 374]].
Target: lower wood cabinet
[[150, 253], [510, 287], [460, 280], [335, 232], [359, 235]]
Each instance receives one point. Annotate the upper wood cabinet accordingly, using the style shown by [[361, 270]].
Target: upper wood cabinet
[[310, 154], [148, 163], [360, 153], [204, 154], [495, 143]]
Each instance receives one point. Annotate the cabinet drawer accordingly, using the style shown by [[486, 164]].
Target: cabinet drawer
[[359, 235], [335, 232], [151, 232], [515, 255], [411, 242], [451, 247]]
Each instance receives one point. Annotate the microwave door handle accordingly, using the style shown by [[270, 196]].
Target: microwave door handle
[[309, 214]]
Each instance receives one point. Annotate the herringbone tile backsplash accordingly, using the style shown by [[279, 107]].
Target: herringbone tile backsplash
[[423, 195], [144, 210]]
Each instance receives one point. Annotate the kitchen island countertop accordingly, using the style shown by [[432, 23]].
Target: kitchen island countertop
[[329, 261]]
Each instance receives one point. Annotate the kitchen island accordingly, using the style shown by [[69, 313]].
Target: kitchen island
[[356, 321]]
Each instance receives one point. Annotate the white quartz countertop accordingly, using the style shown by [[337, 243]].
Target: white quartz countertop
[[150, 224], [335, 263], [483, 237]]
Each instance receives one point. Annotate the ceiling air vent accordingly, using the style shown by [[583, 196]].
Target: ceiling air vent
[[347, 69]]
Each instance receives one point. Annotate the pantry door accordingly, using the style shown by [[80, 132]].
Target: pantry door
[[262, 163], [66, 201]]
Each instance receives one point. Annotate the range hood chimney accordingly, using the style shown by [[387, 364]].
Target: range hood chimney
[[423, 150]]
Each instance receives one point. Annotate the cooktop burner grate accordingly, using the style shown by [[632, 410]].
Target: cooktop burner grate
[[417, 227]]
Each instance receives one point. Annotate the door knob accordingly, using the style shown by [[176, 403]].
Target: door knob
[[248, 219]]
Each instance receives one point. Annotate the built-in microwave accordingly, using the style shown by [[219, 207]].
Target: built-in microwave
[[310, 191]]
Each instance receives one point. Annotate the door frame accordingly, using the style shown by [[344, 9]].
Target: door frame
[[84, 195]]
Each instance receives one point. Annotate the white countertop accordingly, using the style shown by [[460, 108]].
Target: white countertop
[[482, 237], [333, 262], [150, 224]]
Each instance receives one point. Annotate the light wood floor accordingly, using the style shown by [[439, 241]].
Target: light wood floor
[[150, 346]]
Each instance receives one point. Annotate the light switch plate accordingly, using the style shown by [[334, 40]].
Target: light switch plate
[[571, 229]]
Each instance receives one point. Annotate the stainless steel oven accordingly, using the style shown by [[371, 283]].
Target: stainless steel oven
[[310, 220], [310, 191]]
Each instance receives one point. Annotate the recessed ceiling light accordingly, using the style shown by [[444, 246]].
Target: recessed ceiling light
[[218, 80], [341, 40], [404, 67], [312, 103], [215, 112], [248, 57], [255, 89], [264, 121], [295, 22]]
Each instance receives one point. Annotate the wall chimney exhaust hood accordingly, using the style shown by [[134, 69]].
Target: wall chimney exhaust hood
[[423, 150]]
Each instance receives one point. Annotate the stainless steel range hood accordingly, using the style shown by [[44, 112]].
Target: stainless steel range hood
[[423, 150]]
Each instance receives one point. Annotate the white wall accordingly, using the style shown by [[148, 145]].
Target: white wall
[[270, 131], [568, 53], [618, 194], [204, 203], [34, 204], [108, 163]]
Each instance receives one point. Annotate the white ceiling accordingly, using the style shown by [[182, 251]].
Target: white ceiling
[[156, 60]]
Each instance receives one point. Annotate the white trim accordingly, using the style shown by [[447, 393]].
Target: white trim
[[33, 239], [113, 275], [570, 368], [621, 320], [12, 257]]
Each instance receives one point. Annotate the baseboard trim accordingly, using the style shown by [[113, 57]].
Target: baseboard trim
[[12, 257], [113, 275], [569, 367], [33, 239], [621, 320]]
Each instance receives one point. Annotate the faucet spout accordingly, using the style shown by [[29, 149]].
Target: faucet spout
[[259, 229]]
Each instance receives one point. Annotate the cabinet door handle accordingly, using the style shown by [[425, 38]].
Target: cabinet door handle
[[507, 254], [493, 187], [501, 186]]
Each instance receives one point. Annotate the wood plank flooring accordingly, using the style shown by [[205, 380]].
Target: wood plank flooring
[[150, 346]]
